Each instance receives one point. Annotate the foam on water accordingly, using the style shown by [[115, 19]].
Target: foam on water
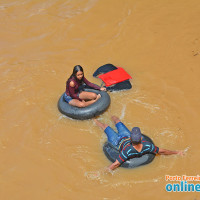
[[131, 182], [151, 107], [102, 178], [123, 112]]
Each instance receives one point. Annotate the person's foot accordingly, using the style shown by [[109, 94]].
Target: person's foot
[[115, 119], [95, 120], [98, 97], [101, 125]]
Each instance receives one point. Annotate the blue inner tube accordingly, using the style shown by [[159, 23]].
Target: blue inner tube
[[112, 153], [88, 112]]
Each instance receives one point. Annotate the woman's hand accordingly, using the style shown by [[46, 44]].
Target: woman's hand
[[103, 89]]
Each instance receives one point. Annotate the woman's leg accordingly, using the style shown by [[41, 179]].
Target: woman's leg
[[81, 104], [88, 95]]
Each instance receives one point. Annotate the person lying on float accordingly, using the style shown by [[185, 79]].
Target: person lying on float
[[76, 97], [129, 143]]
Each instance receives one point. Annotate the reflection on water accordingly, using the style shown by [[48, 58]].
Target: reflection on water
[[46, 155]]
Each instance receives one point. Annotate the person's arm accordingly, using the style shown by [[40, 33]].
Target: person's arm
[[114, 165], [169, 152], [92, 85], [72, 92], [122, 158]]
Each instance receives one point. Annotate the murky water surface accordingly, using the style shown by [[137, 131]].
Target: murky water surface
[[45, 155]]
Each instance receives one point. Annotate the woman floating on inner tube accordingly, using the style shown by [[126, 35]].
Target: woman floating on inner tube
[[78, 98], [129, 143]]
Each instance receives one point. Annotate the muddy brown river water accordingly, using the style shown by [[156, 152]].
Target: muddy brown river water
[[45, 155]]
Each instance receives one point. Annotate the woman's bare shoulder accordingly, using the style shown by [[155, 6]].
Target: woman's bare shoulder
[[71, 83]]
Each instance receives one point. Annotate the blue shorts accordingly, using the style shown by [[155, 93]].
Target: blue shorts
[[67, 98], [114, 137]]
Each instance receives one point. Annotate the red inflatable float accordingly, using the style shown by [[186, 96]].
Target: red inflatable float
[[116, 76]]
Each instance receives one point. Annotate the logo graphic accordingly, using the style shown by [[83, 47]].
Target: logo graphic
[[185, 183]]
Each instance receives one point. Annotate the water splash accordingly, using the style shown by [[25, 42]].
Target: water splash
[[186, 149], [129, 183], [93, 175], [151, 107], [98, 175], [168, 133], [123, 112]]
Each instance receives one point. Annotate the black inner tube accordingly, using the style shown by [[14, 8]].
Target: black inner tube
[[112, 153], [88, 112]]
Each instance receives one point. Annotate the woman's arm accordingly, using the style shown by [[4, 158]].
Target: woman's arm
[[72, 91], [92, 85]]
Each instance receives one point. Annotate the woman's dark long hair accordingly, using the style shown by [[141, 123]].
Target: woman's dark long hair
[[76, 69]]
